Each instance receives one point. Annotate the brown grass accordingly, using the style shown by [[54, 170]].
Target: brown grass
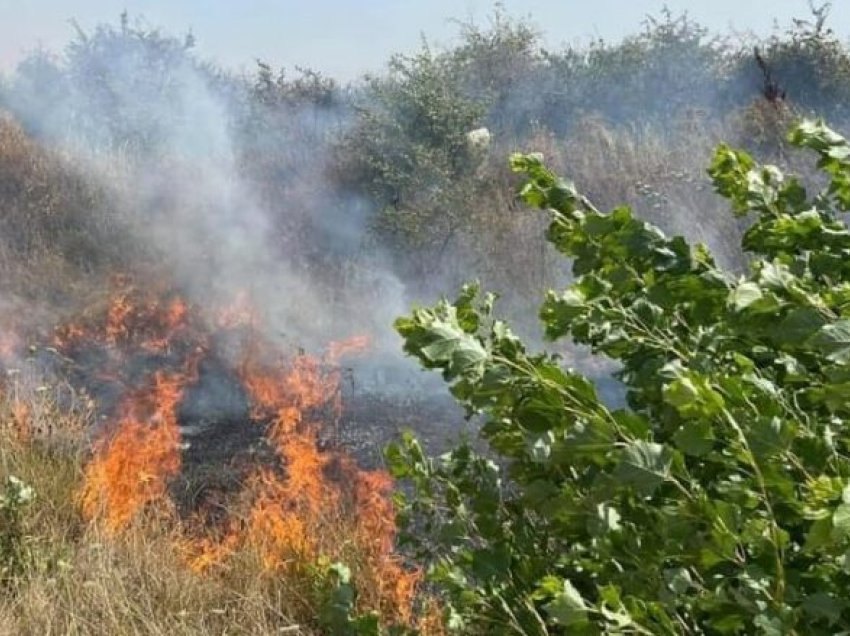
[[83, 580]]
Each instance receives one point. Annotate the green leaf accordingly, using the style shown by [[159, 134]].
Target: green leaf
[[559, 312], [341, 571], [695, 438], [799, 325], [644, 465], [678, 580], [776, 276], [770, 625], [681, 393], [819, 535], [822, 605], [745, 295], [769, 436], [491, 563], [841, 522], [606, 520], [691, 394], [567, 608], [834, 340]]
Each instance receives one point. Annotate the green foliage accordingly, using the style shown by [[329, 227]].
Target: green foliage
[[719, 500], [308, 87], [14, 553], [120, 86], [673, 56], [338, 609], [339, 615], [409, 146], [499, 68]]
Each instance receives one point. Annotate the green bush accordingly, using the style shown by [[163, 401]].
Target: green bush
[[14, 553], [407, 148], [719, 501]]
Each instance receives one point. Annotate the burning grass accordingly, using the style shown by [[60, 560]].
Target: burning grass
[[118, 550]]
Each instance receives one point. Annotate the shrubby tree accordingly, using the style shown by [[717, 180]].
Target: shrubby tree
[[288, 125], [499, 66], [622, 82], [811, 64], [718, 500], [125, 86], [408, 152]]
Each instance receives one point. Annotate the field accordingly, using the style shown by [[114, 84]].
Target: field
[[209, 355]]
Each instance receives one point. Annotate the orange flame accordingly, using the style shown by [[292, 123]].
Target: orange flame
[[337, 350], [240, 313], [317, 503], [133, 320], [131, 470], [21, 413]]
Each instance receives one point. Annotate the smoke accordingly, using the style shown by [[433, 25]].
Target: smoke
[[226, 197]]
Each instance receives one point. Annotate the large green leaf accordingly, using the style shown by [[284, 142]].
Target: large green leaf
[[644, 465], [567, 607], [834, 340]]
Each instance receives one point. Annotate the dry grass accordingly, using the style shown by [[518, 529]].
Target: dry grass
[[59, 237], [80, 579], [661, 173], [54, 217]]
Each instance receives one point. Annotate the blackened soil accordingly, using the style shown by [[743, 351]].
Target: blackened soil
[[371, 421]]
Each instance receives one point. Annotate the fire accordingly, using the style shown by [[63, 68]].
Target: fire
[[322, 498], [134, 321], [116, 319], [309, 505], [131, 470], [16, 327], [21, 419], [337, 350], [240, 313], [174, 316]]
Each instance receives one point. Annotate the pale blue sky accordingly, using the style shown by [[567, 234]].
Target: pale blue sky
[[346, 38]]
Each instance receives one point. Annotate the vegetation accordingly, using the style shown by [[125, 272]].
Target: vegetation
[[718, 501], [63, 573], [13, 549], [383, 165], [714, 500]]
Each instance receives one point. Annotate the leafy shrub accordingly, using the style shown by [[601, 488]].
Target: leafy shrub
[[719, 500], [13, 549], [407, 148], [338, 611], [812, 64]]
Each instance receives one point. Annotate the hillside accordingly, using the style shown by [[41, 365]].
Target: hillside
[[200, 271]]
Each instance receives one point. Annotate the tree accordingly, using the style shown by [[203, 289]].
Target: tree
[[718, 501], [127, 87]]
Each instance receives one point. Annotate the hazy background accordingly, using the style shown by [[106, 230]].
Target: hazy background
[[348, 38]]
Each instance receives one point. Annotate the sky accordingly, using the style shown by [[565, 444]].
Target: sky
[[346, 38]]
